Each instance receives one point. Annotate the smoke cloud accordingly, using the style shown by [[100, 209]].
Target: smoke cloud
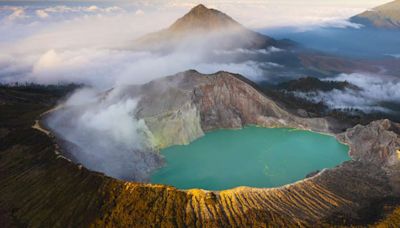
[[102, 133]]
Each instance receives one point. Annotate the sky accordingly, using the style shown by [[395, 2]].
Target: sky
[[252, 13], [275, 13]]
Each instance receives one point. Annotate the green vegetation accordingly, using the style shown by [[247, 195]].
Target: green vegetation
[[309, 84], [36, 187], [21, 104], [30, 87]]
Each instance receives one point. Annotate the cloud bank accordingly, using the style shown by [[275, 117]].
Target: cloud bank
[[92, 45], [89, 42], [374, 94]]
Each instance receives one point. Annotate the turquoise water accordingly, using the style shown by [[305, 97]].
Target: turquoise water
[[253, 156]]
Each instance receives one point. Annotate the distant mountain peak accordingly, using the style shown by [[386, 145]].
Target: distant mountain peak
[[202, 18], [199, 8], [202, 24]]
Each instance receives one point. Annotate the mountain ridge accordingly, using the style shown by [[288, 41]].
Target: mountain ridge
[[386, 16]]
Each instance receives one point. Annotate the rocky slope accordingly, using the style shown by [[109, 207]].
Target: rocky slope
[[188, 104], [39, 188], [386, 16]]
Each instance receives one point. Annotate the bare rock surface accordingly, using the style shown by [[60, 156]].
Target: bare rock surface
[[378, 142], [188, 104]]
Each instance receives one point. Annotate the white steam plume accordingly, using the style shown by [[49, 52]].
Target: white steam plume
[[102, 133]]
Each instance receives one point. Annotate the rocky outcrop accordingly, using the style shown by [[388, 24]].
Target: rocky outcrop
[[167, 108], [175, 127], [376, 143]]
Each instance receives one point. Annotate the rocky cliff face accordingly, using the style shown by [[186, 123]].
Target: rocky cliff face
[[231, 101], [180, 108], [377, 143]]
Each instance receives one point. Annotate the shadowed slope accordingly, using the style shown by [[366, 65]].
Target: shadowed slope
[[384, 16]]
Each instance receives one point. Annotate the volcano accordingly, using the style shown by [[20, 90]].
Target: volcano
[[210, 27]]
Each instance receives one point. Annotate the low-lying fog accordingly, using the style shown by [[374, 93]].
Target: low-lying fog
[[91, 43], [372, 93]]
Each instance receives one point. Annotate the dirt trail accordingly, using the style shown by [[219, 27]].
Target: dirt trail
[[39, 126]]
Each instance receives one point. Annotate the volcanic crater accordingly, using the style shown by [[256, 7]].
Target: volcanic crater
[[190, 104]]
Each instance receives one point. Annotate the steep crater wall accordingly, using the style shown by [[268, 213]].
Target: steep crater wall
[[180, 108]]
